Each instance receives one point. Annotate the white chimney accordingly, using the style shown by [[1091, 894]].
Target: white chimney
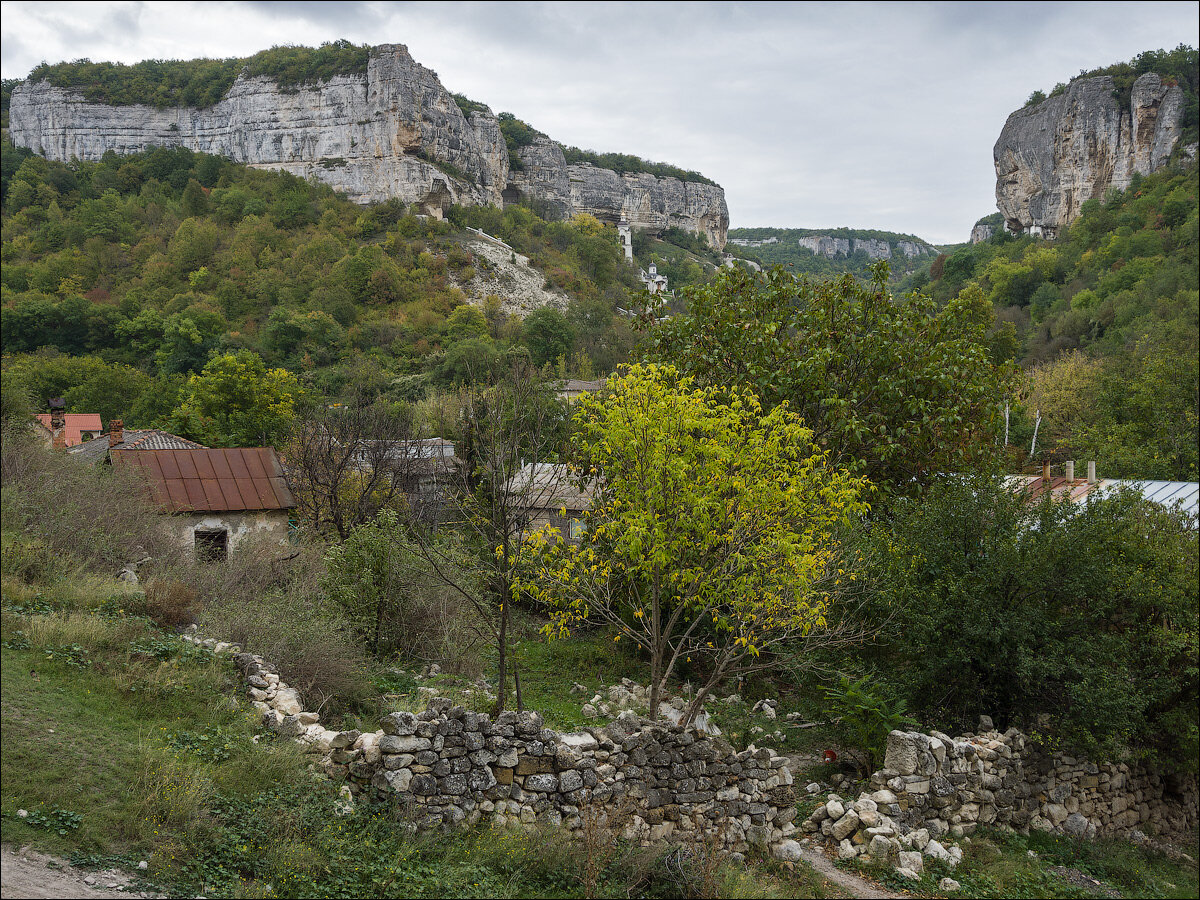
[[1091, 471]]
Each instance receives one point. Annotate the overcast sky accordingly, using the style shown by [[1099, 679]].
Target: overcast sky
[[809, 115]]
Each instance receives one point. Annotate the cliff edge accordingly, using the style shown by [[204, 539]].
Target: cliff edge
[[1055, 155], [391, 132]]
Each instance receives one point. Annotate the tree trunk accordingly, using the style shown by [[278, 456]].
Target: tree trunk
[[502, 668], [657, 676], [517, 686]]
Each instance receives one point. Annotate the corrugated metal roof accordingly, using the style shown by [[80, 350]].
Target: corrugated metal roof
[[203, 480], [1185, 494], [76, 424], [548, 486], [133, 439]]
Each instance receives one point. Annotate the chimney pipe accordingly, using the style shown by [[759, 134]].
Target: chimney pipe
[[1071, 470], [1091, 471], [116, 432], [58, 423], [1045, 471]]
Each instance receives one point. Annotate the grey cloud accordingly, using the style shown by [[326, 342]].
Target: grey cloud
[[870, 114]]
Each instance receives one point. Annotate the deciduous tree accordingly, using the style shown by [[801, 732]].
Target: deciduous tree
[[894, 388], [711, 538]]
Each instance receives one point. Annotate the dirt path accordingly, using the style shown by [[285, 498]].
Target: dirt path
[[855, 886], [27, 873]]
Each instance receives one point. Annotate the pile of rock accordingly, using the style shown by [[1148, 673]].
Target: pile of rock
[[869, 828], [449, 766]]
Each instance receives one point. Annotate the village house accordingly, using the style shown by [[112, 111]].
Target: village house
[[119, 438], [423, 469], [571, 389], [548, 495], [1182, 494], [61, 429], [214, 499]]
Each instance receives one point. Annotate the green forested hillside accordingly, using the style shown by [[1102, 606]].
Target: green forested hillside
[[1106, 321], [123, 277], [800, 259]]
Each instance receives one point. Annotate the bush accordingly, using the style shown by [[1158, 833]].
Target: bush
[[1086, 612], [394, 599], [862, 716], [171, 604], [272, 604], [95, 517]]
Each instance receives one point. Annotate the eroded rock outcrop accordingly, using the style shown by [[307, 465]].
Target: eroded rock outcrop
[[1052, 157], [393, 132]]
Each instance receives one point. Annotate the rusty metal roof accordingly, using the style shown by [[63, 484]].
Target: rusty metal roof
[[1184, 494], [132, 439], [221, 480]]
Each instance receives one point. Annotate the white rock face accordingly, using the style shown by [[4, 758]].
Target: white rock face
[[394, 132], [359, 134], [1052, 157]]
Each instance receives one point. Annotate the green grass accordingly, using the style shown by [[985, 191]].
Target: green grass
[[998, 864], [130, 747]]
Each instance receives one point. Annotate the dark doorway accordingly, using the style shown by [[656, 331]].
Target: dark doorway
[[212, 545]]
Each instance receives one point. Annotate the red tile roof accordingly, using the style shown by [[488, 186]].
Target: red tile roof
[[225, 480], [77, 423]]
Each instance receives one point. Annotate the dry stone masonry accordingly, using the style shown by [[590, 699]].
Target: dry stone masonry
[[449, 766], [934, 788]]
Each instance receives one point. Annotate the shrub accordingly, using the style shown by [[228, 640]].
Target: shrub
[[1086, 612], [862, 716], [170, 604]]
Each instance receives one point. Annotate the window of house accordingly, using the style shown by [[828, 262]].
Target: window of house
[[578, 529], [212, 544]]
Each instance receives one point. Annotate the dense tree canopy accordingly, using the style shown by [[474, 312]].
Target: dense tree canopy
[[895, 388], [1084, 612], [1121, 286]]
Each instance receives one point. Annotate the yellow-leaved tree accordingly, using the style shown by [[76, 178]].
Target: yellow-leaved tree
[[712, 533]]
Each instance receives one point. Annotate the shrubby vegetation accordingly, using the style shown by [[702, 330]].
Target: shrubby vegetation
[[624, 163], [1120, 285], [1085, 613], [201, 82], [124, 277]]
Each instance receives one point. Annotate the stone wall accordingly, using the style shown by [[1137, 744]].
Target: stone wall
[[934, 786], [450, 766]]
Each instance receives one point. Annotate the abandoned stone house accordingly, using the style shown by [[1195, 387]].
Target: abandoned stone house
[[571, 389], [214, 499], [548, 495]]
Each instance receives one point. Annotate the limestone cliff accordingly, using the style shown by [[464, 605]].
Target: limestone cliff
[[1052, 157], [394, 131]]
